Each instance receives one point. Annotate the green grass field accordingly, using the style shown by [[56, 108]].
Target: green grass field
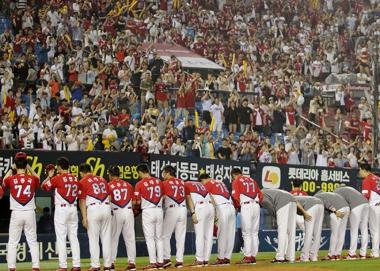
[[262, 264]]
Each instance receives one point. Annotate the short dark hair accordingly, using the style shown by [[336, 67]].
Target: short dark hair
[[365, 166], [63, 162], [170, 169], [114, 171], [236, 171], [85, 168], [297, 183], [144, 168], [21, 163], [203, 176]]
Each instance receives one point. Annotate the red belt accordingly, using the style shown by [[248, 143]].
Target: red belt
[[67, 205], [175, 205], [99, 203], [203, 202], [114, 209]]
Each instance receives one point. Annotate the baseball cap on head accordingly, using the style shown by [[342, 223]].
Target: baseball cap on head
[[20, 156], [49, 167]]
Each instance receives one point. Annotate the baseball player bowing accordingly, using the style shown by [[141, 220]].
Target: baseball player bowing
[[175, 215], [247, 196], [371, 191], [22, 187], [123, 220], [312, 228], [283, 206], [203, 214], [339, 210], [148, 194], [225, 213], [96, 215], [65, 187], [358, 217]]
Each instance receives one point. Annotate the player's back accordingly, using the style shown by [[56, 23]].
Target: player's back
[[149, 190], [245, 189], [174, 191], [121, 193], [66, 188], [22, 189], [198, 192], [93, 189], [219, 192]]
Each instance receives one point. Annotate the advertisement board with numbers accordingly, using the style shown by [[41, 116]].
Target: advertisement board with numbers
[[314, 178]]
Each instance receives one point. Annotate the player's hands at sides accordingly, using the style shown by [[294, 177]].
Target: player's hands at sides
[[339, 214], [307, 216], [194, 218], [84, 223]]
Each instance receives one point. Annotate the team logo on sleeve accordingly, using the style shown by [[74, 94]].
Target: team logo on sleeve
[[271, 177]]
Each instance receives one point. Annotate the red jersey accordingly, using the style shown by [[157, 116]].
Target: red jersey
[[219, 192], [245, 189], [298, 192], [66, 188], [1, 190], [371, 189], [174, 192], [121, 193], [149, 191], [22, 189], [93, 189], [197, 192]]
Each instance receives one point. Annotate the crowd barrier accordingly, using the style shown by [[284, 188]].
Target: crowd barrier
[[48, 249]]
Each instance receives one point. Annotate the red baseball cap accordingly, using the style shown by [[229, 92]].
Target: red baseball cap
[[21, 155]]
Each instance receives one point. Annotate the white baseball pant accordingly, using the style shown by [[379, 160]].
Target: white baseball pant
[[123, 221], [99, 226], [175, 220], [204, 231], [152, 221], [250, 222], [313, 230], [286, 228], [23, 221], [66, 225], [359, 218], [226, 230], [338, 232], [374, 228], [300, 222]]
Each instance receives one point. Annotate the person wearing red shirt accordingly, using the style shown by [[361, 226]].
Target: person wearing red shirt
[[282, 155], [367, 128], [202, 214], [371, 191], [297, 190], [225, 212], [22, 187], [96, 215], [123, 220], [148, 193], [247, 196], [160, 92], [175, 215], [65, 187]]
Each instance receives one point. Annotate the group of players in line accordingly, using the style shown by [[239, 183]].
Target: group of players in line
[[108, 209]]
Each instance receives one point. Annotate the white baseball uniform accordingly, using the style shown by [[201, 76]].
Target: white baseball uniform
[[225, 212], [123, 220], [23, 218], [312, 228], [205, 213], [66, 215], [371, 190], [94, 190], [358, 218], [247, 195], [337, 225], [149, 191], [283, 205], [175, 217]]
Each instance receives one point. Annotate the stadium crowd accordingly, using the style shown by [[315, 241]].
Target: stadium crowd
[[75, 76]]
